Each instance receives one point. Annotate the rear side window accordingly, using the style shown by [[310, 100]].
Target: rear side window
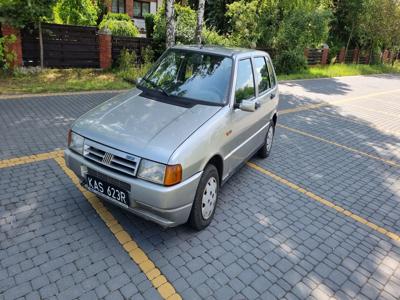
[[262, 77], [271, 72], [244, 81]]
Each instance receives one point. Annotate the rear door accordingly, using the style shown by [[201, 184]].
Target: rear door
[[266, 94]]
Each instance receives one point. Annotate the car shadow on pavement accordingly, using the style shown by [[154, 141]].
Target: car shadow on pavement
[[269, 241], [324, 86]]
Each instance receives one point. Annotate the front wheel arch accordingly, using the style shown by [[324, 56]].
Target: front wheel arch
[[218, 163]]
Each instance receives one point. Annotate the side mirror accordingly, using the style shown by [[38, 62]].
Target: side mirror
[[247, 105]]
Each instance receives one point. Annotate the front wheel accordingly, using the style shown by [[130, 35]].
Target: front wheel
[[205, 201], [265, 150]]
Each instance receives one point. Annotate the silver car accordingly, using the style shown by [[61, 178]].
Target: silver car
[[163, 150]]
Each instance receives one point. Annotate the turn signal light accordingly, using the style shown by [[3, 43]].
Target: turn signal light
[[173, 175]]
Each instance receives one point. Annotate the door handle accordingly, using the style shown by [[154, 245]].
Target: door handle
[[272, 96], [257, 105]]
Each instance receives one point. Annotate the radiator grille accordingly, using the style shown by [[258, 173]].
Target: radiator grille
[[112, 159]]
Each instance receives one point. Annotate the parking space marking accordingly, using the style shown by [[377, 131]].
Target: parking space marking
[[153, 274], [29, 159], [326, 202], [312, 106], [157, 279], [389, 162]]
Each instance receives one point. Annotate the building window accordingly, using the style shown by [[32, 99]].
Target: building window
[[118, 6], [140, 8]]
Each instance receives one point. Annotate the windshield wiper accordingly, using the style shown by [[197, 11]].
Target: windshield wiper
[[155, 85]]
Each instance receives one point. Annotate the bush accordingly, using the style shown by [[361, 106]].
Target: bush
[[119, 25], [116, 16], [290, 61], [127, 59], [132, 74], [7, 59], [147, 55], [149, 23]]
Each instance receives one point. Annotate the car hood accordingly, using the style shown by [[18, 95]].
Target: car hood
[[141, 126]]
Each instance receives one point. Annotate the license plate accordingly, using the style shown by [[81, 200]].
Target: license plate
[[103, 188]]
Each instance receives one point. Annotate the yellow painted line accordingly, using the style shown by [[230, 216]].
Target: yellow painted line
[[389, 162], [29, 159], [326, 202], [158, 280], [313, 106]]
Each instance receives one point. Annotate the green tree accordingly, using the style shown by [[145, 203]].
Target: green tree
[[379, 26], [185, 25], [23, 12], [279, 24], [76, 12], [215, 15]]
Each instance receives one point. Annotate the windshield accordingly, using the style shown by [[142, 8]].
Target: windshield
[[191, 75]]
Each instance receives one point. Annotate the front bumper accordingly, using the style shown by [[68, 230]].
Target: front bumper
[[166, 206]]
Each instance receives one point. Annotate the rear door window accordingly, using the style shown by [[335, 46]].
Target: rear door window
[[262, 74], [272, 74]]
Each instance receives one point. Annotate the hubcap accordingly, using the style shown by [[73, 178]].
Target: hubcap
[[270, 137], [209, 198]]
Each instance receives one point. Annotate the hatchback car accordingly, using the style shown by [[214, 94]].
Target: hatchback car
[[163, 150]]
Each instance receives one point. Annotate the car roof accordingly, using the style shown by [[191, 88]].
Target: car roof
[[219, 50]]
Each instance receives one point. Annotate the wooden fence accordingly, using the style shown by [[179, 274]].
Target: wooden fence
[[132, 44], [69, 46], [64, 46]]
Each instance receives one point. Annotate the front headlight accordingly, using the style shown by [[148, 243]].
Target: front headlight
[[152, 171], [75, 142], [159, 173]]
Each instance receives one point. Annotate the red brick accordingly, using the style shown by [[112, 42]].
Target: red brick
[[105, 54], [17, 45], [325, 54], [129, 7]]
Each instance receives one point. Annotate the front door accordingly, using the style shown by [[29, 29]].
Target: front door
[[244, 125]]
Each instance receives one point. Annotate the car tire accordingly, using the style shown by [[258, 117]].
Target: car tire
[[265, 150], [206, 199]]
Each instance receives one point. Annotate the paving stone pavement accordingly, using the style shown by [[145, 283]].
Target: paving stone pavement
[[267, 241], [39, 124], [52, 242]]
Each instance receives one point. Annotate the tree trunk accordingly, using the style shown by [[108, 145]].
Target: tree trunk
[[170, 18], [41, 44], [200, 19]]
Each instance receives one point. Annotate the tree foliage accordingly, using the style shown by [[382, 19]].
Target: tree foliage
[[279, 24], [76, 12], [22, 12]]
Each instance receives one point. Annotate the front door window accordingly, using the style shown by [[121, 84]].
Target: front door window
[[244, 81]]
